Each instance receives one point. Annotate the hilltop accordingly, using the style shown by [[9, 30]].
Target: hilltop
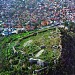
[[26, 52], [46, 51]]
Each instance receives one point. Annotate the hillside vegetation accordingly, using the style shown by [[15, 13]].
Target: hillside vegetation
[[16, 50], [67, 58]]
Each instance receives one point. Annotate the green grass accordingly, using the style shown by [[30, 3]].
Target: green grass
[[48, 39], [42, 39]]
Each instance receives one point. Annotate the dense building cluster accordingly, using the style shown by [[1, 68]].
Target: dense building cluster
[[35, 13]]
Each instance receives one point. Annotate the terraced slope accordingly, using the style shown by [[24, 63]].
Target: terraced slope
[[16, 50]]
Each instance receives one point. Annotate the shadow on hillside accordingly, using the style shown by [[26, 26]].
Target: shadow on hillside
[[66, 65]]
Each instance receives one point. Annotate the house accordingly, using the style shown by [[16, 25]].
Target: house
[[5, 25], [5, 33], [29, 27], [44, 23], [19, 28], [38, 62], [33, 61], [1, 29], [9, 31], [14, 31], [1, 23]]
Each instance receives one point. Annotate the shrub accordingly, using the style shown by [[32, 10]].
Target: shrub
[[15, 62]]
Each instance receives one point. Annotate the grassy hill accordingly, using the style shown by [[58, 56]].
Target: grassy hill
[[17, 49]]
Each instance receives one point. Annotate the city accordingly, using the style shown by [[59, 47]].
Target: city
[[37, 37], [35, 13]]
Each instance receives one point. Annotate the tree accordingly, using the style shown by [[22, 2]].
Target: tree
[[66, 23], [71, 25]]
